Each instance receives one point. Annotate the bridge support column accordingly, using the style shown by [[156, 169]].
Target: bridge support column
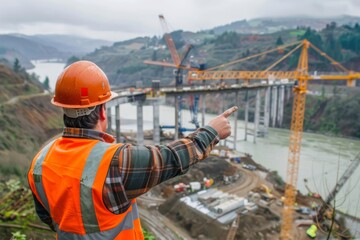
[[281, 100], [203, 107], [267, 110], [156, 120], [235, 120], [117, 123], [177, 117], [221, 110], [274, 105], [246, 114], [288, 92], [257, 115], [109, 120], [140, 128]]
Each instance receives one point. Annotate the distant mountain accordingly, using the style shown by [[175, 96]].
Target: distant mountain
[[26, 48], [123, 62], [70, 44], [271, 25]]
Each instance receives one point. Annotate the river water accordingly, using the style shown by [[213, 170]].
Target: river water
[[323, 159]]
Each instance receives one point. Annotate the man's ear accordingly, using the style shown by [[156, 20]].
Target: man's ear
[[103, 112]]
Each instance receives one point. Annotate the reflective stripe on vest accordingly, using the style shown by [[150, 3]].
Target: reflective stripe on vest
[[126, 224], [87, 180], [37, 175], [88, 211]]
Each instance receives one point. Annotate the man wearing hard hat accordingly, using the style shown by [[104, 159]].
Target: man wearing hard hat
[[84, 185]]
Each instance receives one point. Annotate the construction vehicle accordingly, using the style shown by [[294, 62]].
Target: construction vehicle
[[267, 190], [325, 213], [301, 77], [179, 65]]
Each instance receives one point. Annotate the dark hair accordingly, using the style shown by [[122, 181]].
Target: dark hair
[[87, 121]]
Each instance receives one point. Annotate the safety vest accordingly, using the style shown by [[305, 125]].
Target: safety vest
[[67, 177]]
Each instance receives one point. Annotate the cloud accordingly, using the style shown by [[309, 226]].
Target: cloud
[[120, 20]]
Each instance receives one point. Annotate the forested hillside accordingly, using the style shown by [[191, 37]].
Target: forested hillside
[[123, 62]]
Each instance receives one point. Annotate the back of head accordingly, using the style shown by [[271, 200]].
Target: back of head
[[80, 88]]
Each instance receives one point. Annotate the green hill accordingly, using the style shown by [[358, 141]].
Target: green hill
[[27, 120], [123, 62]]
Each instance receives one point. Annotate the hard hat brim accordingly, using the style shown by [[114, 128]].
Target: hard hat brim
[[112, 95]]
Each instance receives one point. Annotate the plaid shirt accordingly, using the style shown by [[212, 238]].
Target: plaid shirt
[[134, 170]]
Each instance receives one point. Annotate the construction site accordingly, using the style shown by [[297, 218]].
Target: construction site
[[244, 201], [230, 195]]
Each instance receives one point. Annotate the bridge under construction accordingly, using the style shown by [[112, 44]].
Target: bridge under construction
[[267, 110]]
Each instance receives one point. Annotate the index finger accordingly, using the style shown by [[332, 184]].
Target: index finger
[[230, 111]]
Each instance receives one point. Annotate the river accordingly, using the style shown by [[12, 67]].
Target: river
[[47, 68], [323, 159]]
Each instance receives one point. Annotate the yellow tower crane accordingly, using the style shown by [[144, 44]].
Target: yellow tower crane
[[302, 76]]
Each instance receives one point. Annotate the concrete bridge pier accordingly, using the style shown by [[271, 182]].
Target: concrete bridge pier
[[203, 108], [177, 116], [235, 120], [288, 92], [221, 110], [109, 119], [117, 123], [139, 122], [156, 121], [254, 131], [274, 101], [246, 114], [267, 110], [257, 115], [281, 100]]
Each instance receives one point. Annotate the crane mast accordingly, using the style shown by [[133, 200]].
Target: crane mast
[[296, 128]]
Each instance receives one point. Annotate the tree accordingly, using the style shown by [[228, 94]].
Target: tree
[[279, 41], [313, 37], [331, 26], [333, 46], [46, 84], [72, 59], [17, 65], [154, 56], [229, 39]]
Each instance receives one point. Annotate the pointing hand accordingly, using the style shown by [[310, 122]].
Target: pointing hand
[[221, 123]]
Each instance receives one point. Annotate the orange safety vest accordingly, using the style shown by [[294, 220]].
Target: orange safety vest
[[67, 177]]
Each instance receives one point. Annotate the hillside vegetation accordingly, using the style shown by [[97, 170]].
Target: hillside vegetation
[[27, 120], [123, 63], [334, 112]]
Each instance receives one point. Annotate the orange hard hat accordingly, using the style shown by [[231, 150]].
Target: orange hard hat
[[82, 85]]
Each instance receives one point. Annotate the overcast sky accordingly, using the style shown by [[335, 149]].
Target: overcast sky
[[124, 19]]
